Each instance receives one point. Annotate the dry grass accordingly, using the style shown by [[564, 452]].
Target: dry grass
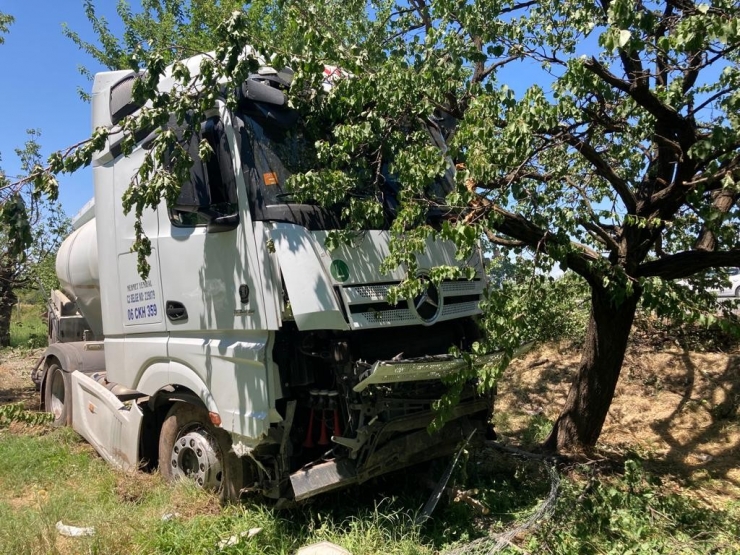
[[677, 409], [15, 377]]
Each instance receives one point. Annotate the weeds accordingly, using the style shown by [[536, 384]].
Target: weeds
[[537, 430], [15, 412], [56, 476], [634, 513], [27, 328]]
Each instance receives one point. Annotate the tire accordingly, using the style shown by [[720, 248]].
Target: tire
[[191, 447], [58, 395]]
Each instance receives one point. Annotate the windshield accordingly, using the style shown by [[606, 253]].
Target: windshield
[[274, 154], [273, 148]]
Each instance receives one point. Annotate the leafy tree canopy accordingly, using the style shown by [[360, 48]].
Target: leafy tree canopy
[[32, 229]]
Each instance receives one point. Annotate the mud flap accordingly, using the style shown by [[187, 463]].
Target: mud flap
[[109, 425]]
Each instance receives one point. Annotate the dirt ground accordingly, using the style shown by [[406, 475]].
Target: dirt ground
[[15, 377], [675, 408]]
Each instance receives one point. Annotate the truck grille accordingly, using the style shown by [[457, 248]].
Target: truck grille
[[368, 307]]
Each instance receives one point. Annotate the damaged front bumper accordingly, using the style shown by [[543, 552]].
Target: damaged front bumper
[[394, 445], [423, 368]]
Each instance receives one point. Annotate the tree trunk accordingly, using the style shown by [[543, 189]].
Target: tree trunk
[[7, 302], [582, 418]]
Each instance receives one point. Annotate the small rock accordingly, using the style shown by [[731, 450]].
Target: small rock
[[322, 548], [74, 531], [233, 540]]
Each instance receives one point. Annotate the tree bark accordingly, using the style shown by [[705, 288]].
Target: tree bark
[[722, 200], [8, 299], [582, 418]]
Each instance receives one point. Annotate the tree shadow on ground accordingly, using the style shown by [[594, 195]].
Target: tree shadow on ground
[[28, 396], [676, 409], [712, 446]]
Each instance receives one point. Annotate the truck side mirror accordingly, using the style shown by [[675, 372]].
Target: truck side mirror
[[259, 90]]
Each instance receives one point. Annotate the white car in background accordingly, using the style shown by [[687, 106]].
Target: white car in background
[[733, 288]]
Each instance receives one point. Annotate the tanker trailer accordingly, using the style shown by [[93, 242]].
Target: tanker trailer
[[75, 328]]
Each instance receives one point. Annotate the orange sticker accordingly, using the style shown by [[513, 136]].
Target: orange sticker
[[270, 178]]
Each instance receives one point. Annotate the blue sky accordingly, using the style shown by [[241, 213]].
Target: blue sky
[[39, 85]]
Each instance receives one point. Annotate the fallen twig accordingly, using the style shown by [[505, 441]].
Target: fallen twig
[[494, 543]]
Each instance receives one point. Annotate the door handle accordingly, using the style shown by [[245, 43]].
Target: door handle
[[176, 311]]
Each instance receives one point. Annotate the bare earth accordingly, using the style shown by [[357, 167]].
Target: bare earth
[[675, 408], [15, 377]]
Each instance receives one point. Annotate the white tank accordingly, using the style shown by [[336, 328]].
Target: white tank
[[77, 270]]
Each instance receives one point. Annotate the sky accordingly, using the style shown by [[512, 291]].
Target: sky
[[39, 82]]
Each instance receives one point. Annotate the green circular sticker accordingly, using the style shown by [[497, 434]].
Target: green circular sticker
[[340, 270]]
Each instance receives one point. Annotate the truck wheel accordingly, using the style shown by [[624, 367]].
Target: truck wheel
[[58, 395], [191, 447]]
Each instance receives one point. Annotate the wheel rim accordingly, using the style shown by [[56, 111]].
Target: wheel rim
[[195, 456], [57, 394]]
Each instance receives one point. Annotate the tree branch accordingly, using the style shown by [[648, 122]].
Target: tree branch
[[642, 95], [601, 234], [605, 170], [722, 201], [519, 6], [521, 229], [496, 240], [661, 58], [493, 67], [708, 182], [423, 10], [711, 99], [688, 263]]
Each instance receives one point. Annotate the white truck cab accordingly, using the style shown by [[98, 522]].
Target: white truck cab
[[252, 358]]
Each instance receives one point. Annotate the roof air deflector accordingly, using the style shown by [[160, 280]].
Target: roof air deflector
[[122, 102]]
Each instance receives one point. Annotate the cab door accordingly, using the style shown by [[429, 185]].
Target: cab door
[[209, 271], [218, 343]]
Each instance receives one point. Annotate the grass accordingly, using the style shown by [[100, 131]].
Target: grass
[[52, 475], [635, 512], [27, 329], [537, 430], [613, 506]]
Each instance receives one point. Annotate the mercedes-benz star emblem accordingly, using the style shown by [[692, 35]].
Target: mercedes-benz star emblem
[[427, 305]]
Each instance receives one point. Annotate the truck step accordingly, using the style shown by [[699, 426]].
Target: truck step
[[110, 426], [123, 393]]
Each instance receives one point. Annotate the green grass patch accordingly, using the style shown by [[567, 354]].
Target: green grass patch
[[537, 430], [27, 328], [52, 475], [635, 513], [55, 476]]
